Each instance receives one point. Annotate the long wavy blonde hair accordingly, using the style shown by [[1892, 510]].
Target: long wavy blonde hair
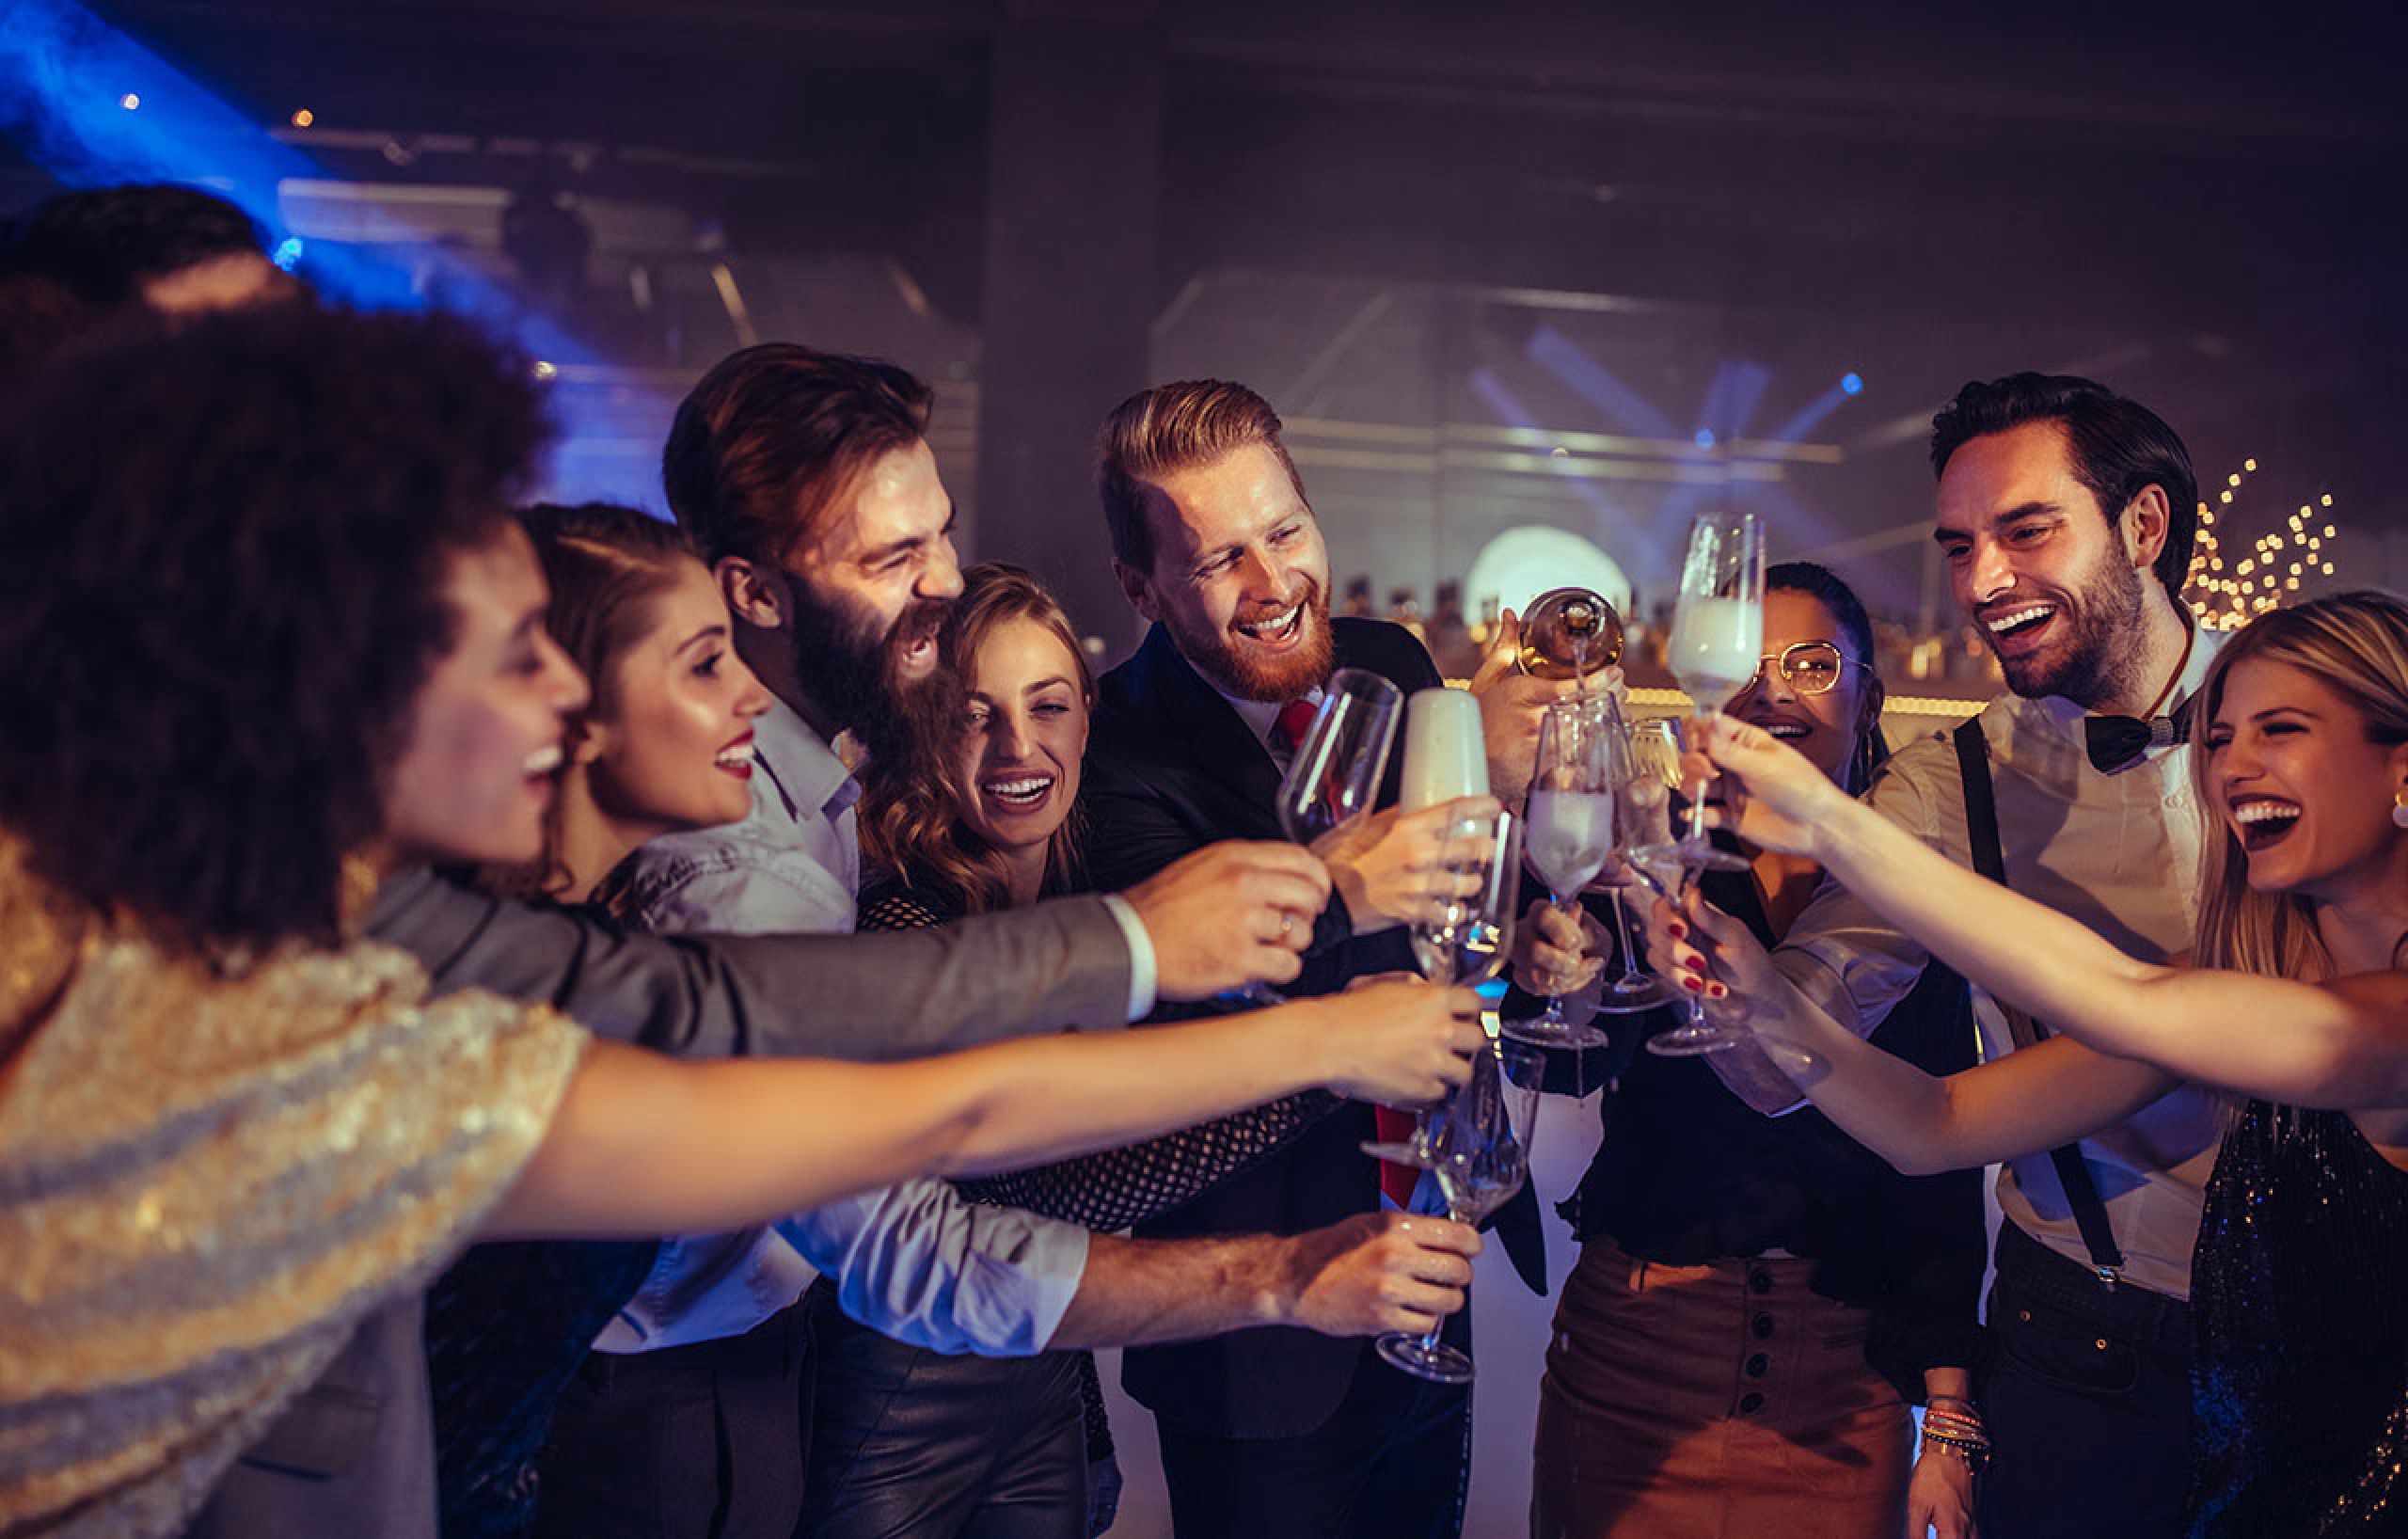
[[2357, 646], [911, 808]]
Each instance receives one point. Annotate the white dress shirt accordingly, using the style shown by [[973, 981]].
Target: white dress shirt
[[2120, 853]]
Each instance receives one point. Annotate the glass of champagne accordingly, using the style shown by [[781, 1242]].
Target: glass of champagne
[[1647, 805], [1335, 776], [1480, 1156], [1717, 640], [1567, 831], [1466, 938], [1644, 760]]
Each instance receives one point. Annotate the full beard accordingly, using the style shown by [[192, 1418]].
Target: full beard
[[2100, 653], [858, 675], [1276, 681]]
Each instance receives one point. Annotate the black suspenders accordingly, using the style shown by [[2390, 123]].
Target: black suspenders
[[1981, 828]]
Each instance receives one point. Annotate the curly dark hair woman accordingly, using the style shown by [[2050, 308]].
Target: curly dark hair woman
[[266, 621], [201, 616]]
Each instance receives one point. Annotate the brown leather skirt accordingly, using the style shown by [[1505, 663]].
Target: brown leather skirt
[[1718, 1402]]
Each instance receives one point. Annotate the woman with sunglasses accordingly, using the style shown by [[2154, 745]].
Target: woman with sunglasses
[[1758, 1300]]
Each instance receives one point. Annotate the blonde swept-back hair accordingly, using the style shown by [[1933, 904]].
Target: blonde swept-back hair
[[1170, 428], [2355, 644], [911, 807]]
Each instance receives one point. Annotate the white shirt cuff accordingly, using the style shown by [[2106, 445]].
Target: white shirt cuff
[[1141, 954]]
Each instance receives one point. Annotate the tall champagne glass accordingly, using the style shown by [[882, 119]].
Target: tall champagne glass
[[1567, 831], [1335, 776], [1717, 638], [1467, 937], [1480, 1156], [1644, 764], [1649, 849]]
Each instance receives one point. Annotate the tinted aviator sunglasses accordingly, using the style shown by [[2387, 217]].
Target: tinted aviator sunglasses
[[1807, 667]]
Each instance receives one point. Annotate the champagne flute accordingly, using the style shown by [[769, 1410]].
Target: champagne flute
[[1645, 759], [1467, 939], [1335, 776], [1655, 775], [1481, 1157], [1717, 640], [1567, 831]]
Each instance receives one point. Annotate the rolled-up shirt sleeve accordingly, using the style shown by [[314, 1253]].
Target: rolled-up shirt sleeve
[[925, 1265]]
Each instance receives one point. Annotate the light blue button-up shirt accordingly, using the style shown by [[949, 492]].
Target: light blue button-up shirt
[[917, 1261]]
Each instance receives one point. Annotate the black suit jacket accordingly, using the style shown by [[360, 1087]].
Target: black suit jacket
[[1170, 767]]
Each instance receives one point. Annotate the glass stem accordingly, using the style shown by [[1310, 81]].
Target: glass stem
[[1622, 941], [1429, 1342], [1555, 1001]]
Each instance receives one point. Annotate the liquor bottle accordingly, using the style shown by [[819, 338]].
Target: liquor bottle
[[1568, 632]]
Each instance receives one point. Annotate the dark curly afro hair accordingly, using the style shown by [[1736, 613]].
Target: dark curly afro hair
[[223, 558]]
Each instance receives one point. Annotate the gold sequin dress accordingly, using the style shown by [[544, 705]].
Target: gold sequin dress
[[207, 1178]]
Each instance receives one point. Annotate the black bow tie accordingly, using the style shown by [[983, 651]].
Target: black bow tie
[[2116, 742]]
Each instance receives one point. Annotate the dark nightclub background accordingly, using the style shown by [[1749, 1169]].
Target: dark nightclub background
[[1532, 283], [1536, 266]]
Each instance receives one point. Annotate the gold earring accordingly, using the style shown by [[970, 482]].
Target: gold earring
[[2400, 807]]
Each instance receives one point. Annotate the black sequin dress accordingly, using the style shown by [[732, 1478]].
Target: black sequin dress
[[2299, 1300]]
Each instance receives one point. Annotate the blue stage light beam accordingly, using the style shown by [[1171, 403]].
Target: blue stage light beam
[[1816, 412], [66, 77], [1592, 381], [94, 108], [1614, 528], [1731, 400]]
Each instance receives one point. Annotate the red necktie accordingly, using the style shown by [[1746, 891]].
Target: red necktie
[[1397, 1181], [1295, 720]]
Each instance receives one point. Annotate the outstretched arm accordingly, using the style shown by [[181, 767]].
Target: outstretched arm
[[641, 1145], [2033, 1098], [2342, 1044]]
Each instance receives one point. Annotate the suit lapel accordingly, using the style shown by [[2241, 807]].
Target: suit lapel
[[1216, 739]]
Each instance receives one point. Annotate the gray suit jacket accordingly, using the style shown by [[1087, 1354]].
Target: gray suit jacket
[[353, 1456]]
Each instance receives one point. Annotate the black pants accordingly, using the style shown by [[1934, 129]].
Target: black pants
[[917, 1443], [694, 1442], [1391, 1463], [2088, 1402]]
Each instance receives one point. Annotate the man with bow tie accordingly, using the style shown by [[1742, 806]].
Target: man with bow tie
[[2066, 514]]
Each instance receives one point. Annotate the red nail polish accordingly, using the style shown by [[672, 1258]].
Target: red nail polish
[[1693, 984], [1718, 991], [1677, 930]]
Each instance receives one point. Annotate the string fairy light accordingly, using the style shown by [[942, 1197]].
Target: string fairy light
[[2225, 598]]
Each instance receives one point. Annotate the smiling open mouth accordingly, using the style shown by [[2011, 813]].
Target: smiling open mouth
[[1278, 629], [544, 761], [1020, 793], [2017, 621], [736, 756], [2264, 822]]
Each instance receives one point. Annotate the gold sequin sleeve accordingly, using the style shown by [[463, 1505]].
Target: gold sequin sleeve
[[208, 1177]]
